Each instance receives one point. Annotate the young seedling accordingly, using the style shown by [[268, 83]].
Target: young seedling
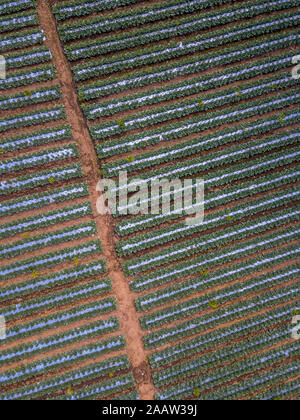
[[130, 158], [196, 392], [70, 390], [28, 93], [111, 374], [200, 102], [35, 274], [51, 180], [203, 272], [213, 304], [25, 235], [101, 172], [281, 117], [76, 261], [149, 70], [81, 97], [238, 91], [229, 218], [121, 123], [1, 151]]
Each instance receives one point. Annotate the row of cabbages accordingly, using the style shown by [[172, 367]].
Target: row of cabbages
[[236, 114], [129, 18], [167, 30], [17, 21], [216, 239], [222, 375], [159, 53], [57, 383], [39, 200], [186, 108], [210, 260], [32, 265], [50, 176], [28, 119], [63, 318], [50, 218], [217, 300], [36, 96], [245, 388], [187, 88], [33, 243], [187, 66], [22, 39], [60, 360], [224, 335], [207, 280], [12, 6], [68, 276], [213, 359], [44, 157], [191, 147]]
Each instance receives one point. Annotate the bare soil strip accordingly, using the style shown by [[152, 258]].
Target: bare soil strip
[[127, 315]]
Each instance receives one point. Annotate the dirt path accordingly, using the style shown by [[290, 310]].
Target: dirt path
[[127, 315]]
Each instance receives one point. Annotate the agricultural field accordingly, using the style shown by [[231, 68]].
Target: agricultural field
[[135, 303]]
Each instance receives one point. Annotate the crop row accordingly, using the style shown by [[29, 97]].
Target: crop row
[[212, 359], [194, 125], [39, 158], [11, 6], [27, 119], [28, 77], [188, 66], [206, 103], [240, 330], [220, 299], [51, 363], [228, 373], [50, 281], [214, 179], [28, 57], [20, 20], [131, 18], [252, 384], [103, 389], [51, 259], [217, 219], [209, 241], [190, 87], [34, 97], [35, 201], [22, 39], [55, 300], [71, 233], [282, 391], [160, 53], [75, 8], [220, 257], [80, 312], [191, 147], [212, 200], [165, 30], [92, 371], [130, 396], [47, 177], [36, 138], [54, 217], [221, 275], [74, 335], [229, 314]]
